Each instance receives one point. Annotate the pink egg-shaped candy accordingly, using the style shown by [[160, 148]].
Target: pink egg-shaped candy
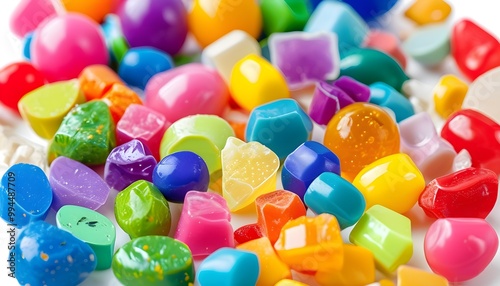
[[29, 14], [64, 45], [187, 90], [460, 248]]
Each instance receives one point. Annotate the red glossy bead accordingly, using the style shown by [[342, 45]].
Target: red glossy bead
[[478, 134], [247, 233], [475, 50], [16, 80], [469, 192]]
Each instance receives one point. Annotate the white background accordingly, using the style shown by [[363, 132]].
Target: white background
[[485, 12]]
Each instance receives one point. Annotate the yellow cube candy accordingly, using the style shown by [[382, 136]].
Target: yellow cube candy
[[449, 94], [425, 12], [411, 276]]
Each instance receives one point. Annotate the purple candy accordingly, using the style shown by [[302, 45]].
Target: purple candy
[[127, 163], [356, 90], [76, 184], [156, 23]]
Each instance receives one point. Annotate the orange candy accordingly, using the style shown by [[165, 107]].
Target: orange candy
[[118, 98], [96, 80], [359, 134], [95, 9]]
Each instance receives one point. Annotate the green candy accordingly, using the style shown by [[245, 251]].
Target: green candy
[[92, 228], [87, 134], [370, 66], [154, 260], [284, 15], [141, 209]]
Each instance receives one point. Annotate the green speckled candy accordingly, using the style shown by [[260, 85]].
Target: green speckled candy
[[154, 260], [141, 209], [87, 134], [92, 228]]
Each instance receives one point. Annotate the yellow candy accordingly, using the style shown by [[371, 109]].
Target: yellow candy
[[394, 182], [45, 107], [385, 282], [449, 94], [410, 276], [272, 268], [425, 12], [311, 244], [288, 282], [211, 19], [254, 81], [358, 269]]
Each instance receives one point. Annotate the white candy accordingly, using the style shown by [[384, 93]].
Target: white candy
[[484, 94]]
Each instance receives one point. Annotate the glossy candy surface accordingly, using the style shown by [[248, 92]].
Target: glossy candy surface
[[449, 94], [386, 42], [429, 45], [95, 9], [482, 95], [411, 276], [247, 233], [424, 12], [284, 15], [384, 95], [29, 14], [96, 80], [118, 98]]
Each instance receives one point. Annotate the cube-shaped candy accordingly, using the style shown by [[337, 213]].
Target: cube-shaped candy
[[330, 193], [411, 276], [119, 98], [387, 234], [229, 266], [448, 95], [142, 123], [275, 209], [272, 268], [432, 154], [96, 80], [281, 125], [305, 58], [284, 15], [224, 53], [386, 96], [305, 164], [205, 213], [425, 12]]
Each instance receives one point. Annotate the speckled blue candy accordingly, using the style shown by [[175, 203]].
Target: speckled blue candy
[[46, 255]]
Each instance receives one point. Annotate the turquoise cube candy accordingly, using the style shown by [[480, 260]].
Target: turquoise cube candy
[[332, 194], [281, 125], [227, 267], [341, 19], [384, 95]]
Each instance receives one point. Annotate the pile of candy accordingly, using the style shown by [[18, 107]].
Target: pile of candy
[[225, 129]]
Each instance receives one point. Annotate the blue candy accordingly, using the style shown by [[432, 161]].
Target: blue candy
[[280, 125], [27, 45], [47, 255], [227, 267], [371, 9], [332, 194], [139, 65], [305, 164], [179, 173], [385, 95], [341, 19], [25, 195]]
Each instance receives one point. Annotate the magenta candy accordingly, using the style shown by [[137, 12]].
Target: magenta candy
[[29, 14], [188, 90], [76, 184], [460, 248], [205, 223], [155, 23], [64, 45]]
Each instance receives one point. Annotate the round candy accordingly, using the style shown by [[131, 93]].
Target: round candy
[[95, 9], [179, 173], [60, 53], [154, 23]]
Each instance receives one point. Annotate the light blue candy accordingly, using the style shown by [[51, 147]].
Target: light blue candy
[[429, 45], [332, 194], [281, 125], [385, 95], [139, 65], [228, 267], [27, 45], [341, 19], [25, 195]]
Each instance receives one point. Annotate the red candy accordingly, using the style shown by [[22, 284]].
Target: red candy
[[247, 233], [16, 80], [478, 134], [475, 50], [466, 193]]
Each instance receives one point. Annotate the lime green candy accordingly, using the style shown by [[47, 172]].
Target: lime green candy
[[92, 228], [429, 45], [387, 234], [45, 107], [284, 15], [204, 135], [141, 209], [370, 66], [86, 135], [154, 260]]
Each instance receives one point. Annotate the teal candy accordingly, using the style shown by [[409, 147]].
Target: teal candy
[[341, 19], [384, 95], [429, 45], [227, 267], [332, 194], [281, 125]]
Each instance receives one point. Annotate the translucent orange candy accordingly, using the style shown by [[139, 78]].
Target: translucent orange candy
[[118, 98], [359, 134]]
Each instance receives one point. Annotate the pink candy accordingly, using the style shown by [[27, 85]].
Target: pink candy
[[29, 14]]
